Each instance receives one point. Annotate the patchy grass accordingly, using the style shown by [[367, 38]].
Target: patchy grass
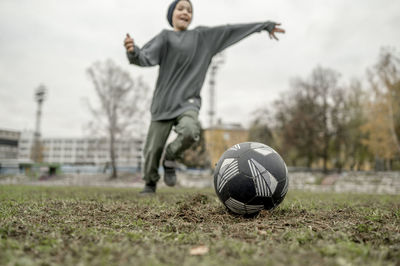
[[109, 226]]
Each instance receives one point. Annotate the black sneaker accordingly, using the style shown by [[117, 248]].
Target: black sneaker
[[148, 189], [169, 172]]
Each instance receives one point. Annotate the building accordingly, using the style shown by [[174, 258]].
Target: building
[[75, 151], [221, 137], [9, 150], [25, 146], [91, 151], [9, 144]]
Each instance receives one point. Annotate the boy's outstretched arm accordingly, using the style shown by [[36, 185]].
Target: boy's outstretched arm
[[221, 37]]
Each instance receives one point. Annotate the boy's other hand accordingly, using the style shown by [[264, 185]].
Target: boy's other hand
[[128, 43], [276, 30]]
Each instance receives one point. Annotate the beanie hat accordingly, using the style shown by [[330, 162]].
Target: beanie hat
[[171, 9]]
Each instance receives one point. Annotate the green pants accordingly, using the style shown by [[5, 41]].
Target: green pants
[[187, 127]]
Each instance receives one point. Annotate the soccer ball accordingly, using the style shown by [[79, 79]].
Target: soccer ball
[[250, 177]]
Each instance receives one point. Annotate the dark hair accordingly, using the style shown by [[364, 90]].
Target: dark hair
[[171, 9]]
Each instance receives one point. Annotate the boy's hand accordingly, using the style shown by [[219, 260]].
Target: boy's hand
[[128, 43], [274, 30]]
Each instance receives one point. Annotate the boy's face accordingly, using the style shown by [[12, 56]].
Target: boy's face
[[182, 15]]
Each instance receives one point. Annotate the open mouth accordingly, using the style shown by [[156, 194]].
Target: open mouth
[[185, 19]]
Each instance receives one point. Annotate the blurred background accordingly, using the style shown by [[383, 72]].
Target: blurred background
[[326, 96]]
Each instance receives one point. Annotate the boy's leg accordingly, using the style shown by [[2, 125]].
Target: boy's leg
[[156, 137], [187, 126]]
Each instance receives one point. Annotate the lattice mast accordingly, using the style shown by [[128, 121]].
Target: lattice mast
[[40, 95], [216, 63]]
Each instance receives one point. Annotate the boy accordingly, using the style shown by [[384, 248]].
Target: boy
[[183, 56]]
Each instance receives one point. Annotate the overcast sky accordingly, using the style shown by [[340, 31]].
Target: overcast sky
[[54, 42]]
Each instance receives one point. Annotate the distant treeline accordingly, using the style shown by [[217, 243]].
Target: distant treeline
[[321, 122]]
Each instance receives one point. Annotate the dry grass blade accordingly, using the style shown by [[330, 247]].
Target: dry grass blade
[[199, 250]]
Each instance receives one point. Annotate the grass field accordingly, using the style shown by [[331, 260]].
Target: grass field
[[109, 226]]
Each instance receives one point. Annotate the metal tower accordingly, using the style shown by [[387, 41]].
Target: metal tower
[[40, 94], [216, 63]]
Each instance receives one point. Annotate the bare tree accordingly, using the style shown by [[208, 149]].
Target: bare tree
[[122, 106], [324, 82], [304, 116], [347, 118]]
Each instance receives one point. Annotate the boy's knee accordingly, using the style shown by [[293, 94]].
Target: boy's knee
[[191, 134]]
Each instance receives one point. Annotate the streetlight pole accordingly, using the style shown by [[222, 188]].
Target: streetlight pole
[[40, 94]]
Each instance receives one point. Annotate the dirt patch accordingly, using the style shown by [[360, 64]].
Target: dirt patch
[[115, 226]]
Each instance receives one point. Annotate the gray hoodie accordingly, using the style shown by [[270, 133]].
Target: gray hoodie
[[184, 57]]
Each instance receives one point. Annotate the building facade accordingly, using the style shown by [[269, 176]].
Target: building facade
[[221, 137], [8, 150], [16, 148], [91, 151], [25, 146]]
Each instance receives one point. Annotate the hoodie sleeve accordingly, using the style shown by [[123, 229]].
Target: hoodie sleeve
[[150, 54], [220, 37]]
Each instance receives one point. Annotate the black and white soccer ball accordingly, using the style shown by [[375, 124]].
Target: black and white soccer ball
[[250, 177]]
